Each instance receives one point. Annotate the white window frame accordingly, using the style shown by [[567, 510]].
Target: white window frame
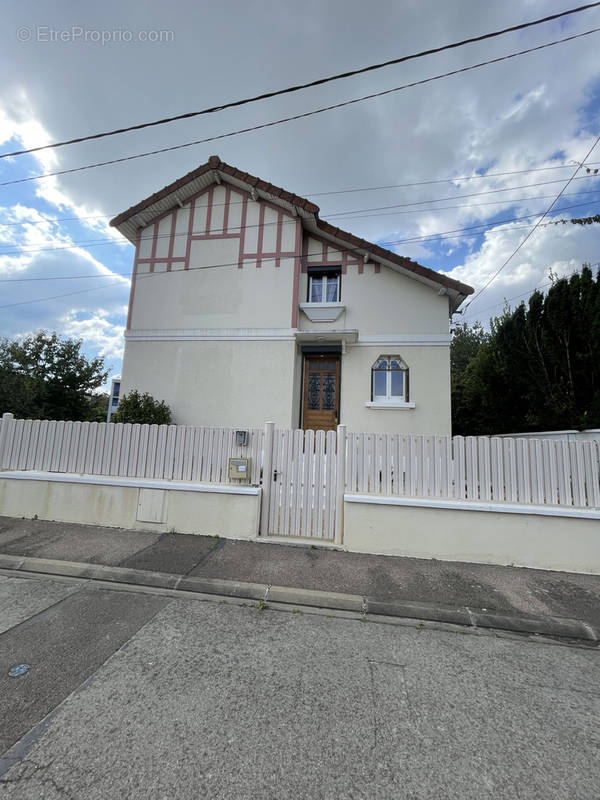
[[325, 278], [389, 400]]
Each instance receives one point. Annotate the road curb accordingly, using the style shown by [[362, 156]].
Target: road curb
[[560, 627]]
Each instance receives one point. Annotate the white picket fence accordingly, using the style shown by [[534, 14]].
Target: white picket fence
[[304, 474], [495, 470], [170, 452]]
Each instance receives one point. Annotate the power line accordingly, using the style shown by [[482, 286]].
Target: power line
[[456, 197], [509, 202], [455, 179], [79, 243], [517, 296], [55, 296], [139, 276], [357, 213], [309, 84], [475, 229], [535, 227], [299, 116], [66, 277], [413, 240], [443, 180], [530, 291]]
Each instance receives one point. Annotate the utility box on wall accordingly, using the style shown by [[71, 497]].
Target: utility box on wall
[[152, 505], [240, 469]]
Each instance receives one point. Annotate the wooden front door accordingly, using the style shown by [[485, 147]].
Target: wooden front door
[[321, 391]]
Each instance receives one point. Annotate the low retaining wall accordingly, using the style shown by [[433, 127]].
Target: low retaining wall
[[208, 509], [540, 537]]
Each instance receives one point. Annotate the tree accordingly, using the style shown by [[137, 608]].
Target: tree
[[466, 343], [98, 407], [142, 408], [45, 376], [538, 369]]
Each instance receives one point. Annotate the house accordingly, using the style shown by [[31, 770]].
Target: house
[[245, 306], [113, 397]]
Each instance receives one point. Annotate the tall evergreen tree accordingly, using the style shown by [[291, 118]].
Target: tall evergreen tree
[[538, 368]]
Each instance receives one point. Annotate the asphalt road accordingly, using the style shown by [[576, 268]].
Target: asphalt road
[[153, 697]]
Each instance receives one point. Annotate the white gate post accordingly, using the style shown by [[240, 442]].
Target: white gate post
[[8, 421], [340, 488], [267, 477]]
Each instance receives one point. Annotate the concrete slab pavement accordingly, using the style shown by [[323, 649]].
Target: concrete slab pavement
[[21, 599], [484, 589], [63, 644], [175, 553], [71, 542], [219, 701]]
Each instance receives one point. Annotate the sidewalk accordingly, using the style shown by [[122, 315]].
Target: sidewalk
[[436, 589]]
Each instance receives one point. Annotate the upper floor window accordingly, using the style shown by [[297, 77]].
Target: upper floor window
[[324, 286], [389, 380]]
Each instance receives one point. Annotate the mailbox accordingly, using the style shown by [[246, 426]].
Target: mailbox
[[241, 438], [240, 469]]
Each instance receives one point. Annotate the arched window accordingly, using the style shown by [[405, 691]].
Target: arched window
[[389, 380]]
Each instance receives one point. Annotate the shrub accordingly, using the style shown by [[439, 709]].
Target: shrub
[[142, 408]]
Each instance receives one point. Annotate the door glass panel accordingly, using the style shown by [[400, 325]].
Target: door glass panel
[[314, 391], [328, 392]]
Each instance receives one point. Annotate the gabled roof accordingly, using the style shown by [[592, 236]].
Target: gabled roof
[[176, 193]]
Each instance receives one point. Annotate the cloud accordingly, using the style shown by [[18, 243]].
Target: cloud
[[539, 110], [50, 278], [48, 281], [97, 330], [560, 250]]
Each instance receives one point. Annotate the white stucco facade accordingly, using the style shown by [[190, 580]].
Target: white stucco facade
[[220, 318]]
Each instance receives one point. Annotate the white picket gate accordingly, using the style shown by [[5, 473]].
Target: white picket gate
[[302, 477]]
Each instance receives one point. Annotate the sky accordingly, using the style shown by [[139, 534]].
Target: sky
[[440, 146]]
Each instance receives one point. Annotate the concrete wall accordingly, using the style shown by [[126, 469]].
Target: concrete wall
[[541, 541], [215, 296], [384, 302], [244, 382], [239, 383], [429, 379], [565, 539], [211, 511]]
